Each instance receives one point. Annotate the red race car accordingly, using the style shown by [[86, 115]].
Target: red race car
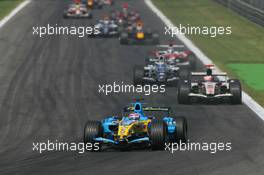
[[173, 54]]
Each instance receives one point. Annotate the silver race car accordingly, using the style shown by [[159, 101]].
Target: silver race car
[[159, 73], [107, 28]]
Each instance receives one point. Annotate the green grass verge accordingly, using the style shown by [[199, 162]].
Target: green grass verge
[[252, 74], [7, 5], [244, 45]]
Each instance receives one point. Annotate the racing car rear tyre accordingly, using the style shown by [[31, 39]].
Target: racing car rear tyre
[[158, 134], [183, 92], [192, 61], [236, 91], [147, 61], [92, 130], [138, 75], [155, 37], [148, 33], [184, 73], [124, 38], [181, 129], [90, 16]]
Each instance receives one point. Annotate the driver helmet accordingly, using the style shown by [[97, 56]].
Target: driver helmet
[[125, 6], [139, 25], [170, 50], [132, 13], [106, 19], [77, 2], [209, 72], [161, 58], [78, 6], [134, 116]]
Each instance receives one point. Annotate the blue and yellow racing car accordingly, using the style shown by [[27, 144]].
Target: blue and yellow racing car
[[137, 129]]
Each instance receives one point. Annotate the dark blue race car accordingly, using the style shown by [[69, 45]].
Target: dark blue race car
[[137, 129]]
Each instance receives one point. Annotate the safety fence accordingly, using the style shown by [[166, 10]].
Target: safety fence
[[245, 9], [255, 3]]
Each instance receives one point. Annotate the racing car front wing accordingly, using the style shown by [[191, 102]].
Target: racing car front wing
[[105, 140], [213, 96], [154, 81], [86, 15]]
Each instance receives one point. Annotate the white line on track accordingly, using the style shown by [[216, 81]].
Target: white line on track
[[249, 101], [13, 12]]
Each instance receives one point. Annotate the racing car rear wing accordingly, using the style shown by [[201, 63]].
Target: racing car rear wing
[[204, 74], [132, 108], [174, 46]]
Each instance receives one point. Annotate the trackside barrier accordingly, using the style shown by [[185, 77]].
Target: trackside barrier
[[245, 9], [256, 3]]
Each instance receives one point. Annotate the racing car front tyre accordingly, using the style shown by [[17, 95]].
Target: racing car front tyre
[[90, 16], [100, 6], [92, 130], [158, 134], [65, 16], [138, 75], [181, 130], [112, 3], [236, 91], [183, 93]]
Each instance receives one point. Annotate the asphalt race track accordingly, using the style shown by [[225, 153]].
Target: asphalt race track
[[49, 89]]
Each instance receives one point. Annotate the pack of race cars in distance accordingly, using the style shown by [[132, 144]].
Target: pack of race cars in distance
[[125, 24], [136, 129], [113, 24], [128, 26], [209, 86]]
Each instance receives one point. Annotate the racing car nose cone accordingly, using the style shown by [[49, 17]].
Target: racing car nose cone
[[123, 142], [140, 35], [161, 79]]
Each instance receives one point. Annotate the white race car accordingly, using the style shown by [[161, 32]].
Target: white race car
[[77, 11], [209, 86], [108, 2]]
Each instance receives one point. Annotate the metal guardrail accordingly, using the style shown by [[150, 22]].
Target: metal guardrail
[[252, 13], [255, 3]]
